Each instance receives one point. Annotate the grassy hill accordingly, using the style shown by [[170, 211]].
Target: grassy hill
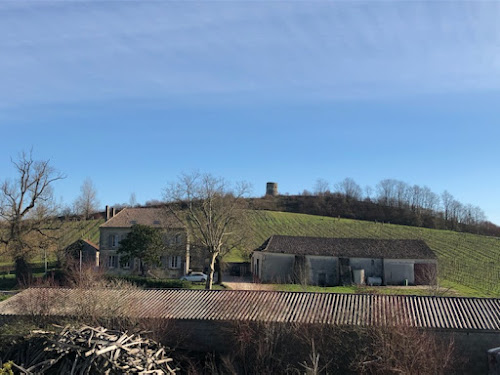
[[67, 233], [468, 263]]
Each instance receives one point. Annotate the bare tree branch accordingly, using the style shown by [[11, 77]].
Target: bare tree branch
[[211, 210], [26, 203]]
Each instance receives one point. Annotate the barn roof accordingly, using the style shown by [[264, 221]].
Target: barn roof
[[151, 216], [82, 244], [90, 243], [348, 247], [453, 313]]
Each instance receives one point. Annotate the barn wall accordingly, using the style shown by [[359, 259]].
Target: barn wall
[[472, 347], [372, 266], [328, 266], [221, 337], [276, 268], [396, 271], [218, 336]]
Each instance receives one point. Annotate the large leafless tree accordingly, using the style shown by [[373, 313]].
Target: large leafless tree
[[26, 205], [87, 203], [213, 212], [349, 188]]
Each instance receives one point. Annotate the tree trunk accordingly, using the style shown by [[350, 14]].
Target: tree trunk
[[211, 270], [141, 265], [23, 271], [218, 267]]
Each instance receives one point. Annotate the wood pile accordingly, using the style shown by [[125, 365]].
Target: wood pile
[[89, 350]]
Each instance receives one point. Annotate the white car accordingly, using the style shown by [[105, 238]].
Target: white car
[[195, 277]]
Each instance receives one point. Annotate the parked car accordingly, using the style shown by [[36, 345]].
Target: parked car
[[195, 276]]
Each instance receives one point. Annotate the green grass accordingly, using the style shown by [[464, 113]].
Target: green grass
[[68, 233], [368, 290], [148, 282], [468, 263], [236, 256]]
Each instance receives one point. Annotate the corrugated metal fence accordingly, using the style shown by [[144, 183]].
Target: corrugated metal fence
[[456, 313]]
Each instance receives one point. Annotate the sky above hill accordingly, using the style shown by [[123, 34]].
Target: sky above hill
[[131, 94]]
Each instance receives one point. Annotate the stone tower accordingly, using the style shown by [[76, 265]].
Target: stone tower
[[272, 189]]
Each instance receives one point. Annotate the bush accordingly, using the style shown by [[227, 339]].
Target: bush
[[7, 282], [148, 282]]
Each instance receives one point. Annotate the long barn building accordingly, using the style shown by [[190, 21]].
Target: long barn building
[[342, 261]]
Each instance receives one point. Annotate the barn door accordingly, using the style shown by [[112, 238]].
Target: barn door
[[345, 271]]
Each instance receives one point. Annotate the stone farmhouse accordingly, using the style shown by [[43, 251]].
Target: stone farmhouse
[[343, 261], [175, 262]]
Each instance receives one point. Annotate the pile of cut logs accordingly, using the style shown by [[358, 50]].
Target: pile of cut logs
[[89, 350]]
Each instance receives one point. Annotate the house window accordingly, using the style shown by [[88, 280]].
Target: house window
[[156, 222], [113, 261], [178, 239], [174, 262], [126, 265], [113, 240]]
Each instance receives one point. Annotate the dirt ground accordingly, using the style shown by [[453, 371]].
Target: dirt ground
[[244, 283]]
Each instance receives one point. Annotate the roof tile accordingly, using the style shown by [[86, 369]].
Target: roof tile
[[348, 247]]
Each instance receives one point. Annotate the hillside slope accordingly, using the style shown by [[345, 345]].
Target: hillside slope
[[68, 232], [75, 230], [466, 261]]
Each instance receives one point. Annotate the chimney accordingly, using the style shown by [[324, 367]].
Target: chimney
[[110, 212]]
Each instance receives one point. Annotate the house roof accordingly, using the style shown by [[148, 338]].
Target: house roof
[[80, 244], [152, 216], [96, 247], [348, 247], [447, 313]]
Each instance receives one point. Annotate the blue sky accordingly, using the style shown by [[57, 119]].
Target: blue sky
[[131, 94]]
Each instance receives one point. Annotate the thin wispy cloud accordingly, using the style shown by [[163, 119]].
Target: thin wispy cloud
[[78, 51]]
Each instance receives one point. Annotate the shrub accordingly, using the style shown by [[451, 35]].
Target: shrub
[[148, 282]]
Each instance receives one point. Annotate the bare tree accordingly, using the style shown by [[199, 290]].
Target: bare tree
[[401, 193], [87, 203], [349, 188], [132, 201], [321, 187], [212, 212], [386, 191], [368, 192], [26, 206]]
